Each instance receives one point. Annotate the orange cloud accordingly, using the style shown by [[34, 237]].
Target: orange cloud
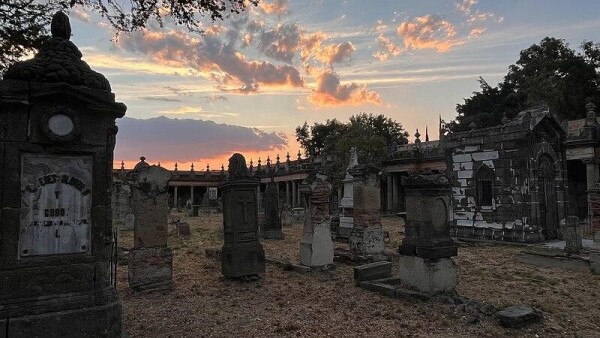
[[428, 32], [389, 48], [212, 58], [279, 7], [335, 53], [330, 92], [477, 31]]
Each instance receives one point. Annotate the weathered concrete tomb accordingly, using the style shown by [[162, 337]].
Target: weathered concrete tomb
[[57, 136]]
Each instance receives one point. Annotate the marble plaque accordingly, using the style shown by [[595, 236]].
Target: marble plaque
[[56, 203]]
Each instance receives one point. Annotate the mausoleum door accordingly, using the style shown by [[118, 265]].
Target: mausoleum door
[[547, 198]]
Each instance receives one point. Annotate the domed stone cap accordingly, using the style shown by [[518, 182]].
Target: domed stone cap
[[58, 60]]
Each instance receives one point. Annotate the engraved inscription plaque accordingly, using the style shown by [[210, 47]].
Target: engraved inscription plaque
[[56, 202]]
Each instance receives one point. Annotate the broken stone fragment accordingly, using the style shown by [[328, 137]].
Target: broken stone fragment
[[516, 316]]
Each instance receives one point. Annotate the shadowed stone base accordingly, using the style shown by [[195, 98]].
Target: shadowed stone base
[[243, 259], [431, 276], [367, 241], [97, 321], [316, 248], [150, 269], [273, 234]]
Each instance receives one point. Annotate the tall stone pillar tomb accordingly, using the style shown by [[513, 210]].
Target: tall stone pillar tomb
[[57, 136]]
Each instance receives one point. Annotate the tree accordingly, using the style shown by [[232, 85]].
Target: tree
[[24, 22], [549, 72], [332, 141]]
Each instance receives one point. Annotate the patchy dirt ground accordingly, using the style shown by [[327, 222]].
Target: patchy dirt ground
[[286, 303]]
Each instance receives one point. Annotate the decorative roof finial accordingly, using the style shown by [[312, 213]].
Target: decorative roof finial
[[122, 165], [159, 163], [207, 167], [192, 167], [60, 26], [417, 135], [299, 155], [175, 166]]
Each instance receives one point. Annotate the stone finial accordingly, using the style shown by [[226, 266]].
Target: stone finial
[[417, 135], [222, 168], [175, 166], [122, 165], [590, 107], [141, 164], [353, 158], [268, 162], [159, 164], [237, 166], [299, 154], [60, 26], [277, 158], [287, 157], [207, 167], [192, 168]]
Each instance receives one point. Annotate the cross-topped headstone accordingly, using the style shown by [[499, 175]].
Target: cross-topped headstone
[[242, 254]]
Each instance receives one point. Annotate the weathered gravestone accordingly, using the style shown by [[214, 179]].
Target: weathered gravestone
[[316, 248], [346, 221], [367, 236], [272, 225], [573, 236], [122, 213], [242, 254], [425, 263], [150, 259], [57, 136]]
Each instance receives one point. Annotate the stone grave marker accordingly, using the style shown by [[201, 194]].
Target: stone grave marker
[[425, 262], [242, 254], [272, 225], [316, 248], [57, 136], [150, 259], [346, 221], [367, 236], [573, 236]]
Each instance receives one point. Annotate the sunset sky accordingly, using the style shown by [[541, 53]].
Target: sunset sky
[[249, 81]]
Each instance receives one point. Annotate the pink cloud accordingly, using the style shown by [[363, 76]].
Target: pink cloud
[[428, 32], [330, 92]]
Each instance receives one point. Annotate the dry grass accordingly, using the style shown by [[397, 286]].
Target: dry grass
[[286, 303]]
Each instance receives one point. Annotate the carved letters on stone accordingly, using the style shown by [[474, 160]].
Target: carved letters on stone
[[56, 200]]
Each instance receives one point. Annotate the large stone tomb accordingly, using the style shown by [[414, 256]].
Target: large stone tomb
[[425, 263], [242, 254], [150, 259], [57, 136]]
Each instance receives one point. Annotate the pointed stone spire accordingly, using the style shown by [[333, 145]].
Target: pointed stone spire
[[426, 134]]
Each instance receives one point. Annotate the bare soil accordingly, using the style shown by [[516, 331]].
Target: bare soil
[[287, 303]]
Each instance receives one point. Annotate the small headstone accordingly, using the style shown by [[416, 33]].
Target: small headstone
[[272, 225], [286, 218], [316, 248], [242, 254], [151, 260], [573, 236], [183, 230], [517, 316]]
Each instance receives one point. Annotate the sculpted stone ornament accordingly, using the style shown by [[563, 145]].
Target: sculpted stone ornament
[[237, 166], [58, 60]]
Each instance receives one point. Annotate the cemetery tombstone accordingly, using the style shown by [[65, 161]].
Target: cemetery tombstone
[[316, 248], [346, 221], [242, 254], [150, 259], [57, 136], [272, 225], [425, 254], [367, 236]]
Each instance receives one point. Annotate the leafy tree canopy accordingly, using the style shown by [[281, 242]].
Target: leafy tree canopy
[[24, 22], [549, 72], [332, 140]]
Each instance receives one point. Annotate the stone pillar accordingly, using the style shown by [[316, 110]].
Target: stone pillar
[[299, 196], [287, 194], [395, 201], [57, 136], [242, 254], [366, 238], [272, 227], [294, 194], [390, 193], [316, 248], [425, 263], [175, 202], [573, 236], [594, 201], [192, 195], [150, 260], [591, 170]]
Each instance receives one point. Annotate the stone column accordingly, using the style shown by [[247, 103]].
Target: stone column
[[242, 254], [176, 201], [591, 169], [316, 248], [594, 201], [425, 262], [293, 193], [366, 238], [192, 195], [395, 202], [299, 197], [287, 194], [390, 194], [57, 137], [150, 260]]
